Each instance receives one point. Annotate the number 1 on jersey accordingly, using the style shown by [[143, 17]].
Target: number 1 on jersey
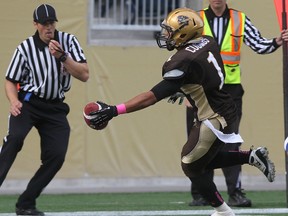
[[212, 59]]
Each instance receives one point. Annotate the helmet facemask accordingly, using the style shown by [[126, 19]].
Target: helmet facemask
[[165, 37]]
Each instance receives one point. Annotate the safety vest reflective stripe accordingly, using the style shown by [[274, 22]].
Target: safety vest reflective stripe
[[230, 57], [236, 26]]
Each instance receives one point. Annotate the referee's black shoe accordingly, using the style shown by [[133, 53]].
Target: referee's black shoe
[[31, 211], [199, 201], [238, 199]]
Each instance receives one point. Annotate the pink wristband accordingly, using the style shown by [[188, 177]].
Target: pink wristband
[[121, 108]]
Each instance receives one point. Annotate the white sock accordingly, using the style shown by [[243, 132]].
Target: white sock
[[223, 208]]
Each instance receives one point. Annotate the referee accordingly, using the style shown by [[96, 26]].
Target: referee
[[42, 65]]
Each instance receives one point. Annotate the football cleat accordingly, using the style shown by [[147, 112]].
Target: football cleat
[[259, 158]]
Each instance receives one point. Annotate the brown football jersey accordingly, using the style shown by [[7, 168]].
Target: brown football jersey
[[197, 70]]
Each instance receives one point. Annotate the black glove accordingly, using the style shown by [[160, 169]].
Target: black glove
[[173, 98], [103, 115]]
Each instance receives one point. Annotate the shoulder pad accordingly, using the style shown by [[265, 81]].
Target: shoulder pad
[[173, 74]]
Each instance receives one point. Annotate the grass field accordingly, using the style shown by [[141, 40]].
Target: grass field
[[142, 204]]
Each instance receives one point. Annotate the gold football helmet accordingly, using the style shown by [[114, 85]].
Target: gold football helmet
[[180, 26]]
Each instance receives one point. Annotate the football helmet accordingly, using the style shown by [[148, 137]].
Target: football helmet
[[180, 26]]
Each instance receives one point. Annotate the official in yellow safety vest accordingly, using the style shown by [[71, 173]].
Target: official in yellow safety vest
[[230, 45]]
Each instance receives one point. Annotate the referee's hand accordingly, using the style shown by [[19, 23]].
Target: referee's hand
[[56, 49], [15, 107]]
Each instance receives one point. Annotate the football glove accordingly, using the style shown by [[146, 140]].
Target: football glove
[[103, 115], [173, 98]]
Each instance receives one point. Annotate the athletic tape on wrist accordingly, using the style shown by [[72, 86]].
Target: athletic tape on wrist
[[121, 109]]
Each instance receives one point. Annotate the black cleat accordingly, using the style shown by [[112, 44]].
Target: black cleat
[[259, 158], [199, 202], [238, 199], [32, 211]]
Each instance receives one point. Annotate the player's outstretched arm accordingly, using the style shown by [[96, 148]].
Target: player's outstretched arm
[[140, 101], [107, 112]]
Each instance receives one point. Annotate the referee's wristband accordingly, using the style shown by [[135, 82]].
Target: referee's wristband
[[63, 57]]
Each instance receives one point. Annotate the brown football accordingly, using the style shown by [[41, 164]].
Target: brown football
[[91, 107]]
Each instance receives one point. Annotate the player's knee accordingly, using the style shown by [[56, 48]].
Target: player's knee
[[191, 170]]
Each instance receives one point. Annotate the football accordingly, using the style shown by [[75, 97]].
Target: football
[[91, 107]]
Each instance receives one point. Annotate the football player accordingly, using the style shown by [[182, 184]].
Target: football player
[[196, 70]]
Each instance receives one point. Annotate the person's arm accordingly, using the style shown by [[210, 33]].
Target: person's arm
[[12, 95], [162, 90], [78, 70], [259, 44], [140, 101]]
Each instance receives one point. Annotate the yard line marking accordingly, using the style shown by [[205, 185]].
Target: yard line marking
[[242, 212]]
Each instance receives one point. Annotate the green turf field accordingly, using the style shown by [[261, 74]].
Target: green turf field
[[158, 201]]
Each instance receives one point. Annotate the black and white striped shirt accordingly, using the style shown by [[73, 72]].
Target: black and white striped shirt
[[252, 36], [38, 72]]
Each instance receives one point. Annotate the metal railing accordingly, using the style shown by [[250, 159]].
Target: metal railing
[[131, 14], [130, 19]]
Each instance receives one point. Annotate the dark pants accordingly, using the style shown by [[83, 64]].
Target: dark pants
[[203, 152], [49, 118], [232, 174]]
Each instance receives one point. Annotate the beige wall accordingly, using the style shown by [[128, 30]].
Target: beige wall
[[147, 143]]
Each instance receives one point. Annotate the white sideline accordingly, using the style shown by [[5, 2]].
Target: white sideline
[[242, 212]]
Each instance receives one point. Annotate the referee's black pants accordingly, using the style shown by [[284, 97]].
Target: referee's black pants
[[49, 118]]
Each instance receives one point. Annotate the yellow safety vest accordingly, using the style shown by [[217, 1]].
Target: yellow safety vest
[[231, 45]]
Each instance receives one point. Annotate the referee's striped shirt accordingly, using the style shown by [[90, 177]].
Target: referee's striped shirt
[[38, 71], [252, 36]]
